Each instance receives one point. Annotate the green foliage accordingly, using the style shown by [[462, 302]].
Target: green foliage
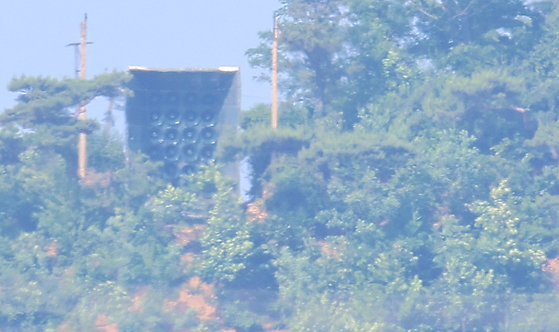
[[412, 185], [226, 242]]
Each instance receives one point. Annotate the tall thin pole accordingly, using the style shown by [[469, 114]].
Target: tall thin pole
[[82, 141], [275, 73]]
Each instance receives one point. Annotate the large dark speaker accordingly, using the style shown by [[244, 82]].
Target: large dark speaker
[[177, 116]]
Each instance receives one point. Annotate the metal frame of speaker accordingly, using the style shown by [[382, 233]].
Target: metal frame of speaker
[[177, 115]]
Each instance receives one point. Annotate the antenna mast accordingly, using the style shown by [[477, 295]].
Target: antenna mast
[[82, 141]]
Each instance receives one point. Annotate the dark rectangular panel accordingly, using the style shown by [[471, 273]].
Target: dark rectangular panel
[[177, 116]]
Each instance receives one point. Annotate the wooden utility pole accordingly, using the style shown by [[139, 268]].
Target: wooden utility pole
[[82, 141], [275, 73]]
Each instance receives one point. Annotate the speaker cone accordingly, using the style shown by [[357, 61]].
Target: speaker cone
[[189, 135], [191, 117], [190, 153], [155, 117], [171, 134], [172, 152], [173, 117], [208, 135]]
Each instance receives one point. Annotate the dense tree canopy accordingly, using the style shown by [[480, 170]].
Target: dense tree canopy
[[412, 185]]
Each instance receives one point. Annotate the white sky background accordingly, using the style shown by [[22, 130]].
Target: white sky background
[[161, 34]]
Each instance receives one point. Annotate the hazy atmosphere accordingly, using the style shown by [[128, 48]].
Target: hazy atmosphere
[[406, 179], [160, 34]]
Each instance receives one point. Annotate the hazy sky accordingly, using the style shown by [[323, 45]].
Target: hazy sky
[[162, 34]]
